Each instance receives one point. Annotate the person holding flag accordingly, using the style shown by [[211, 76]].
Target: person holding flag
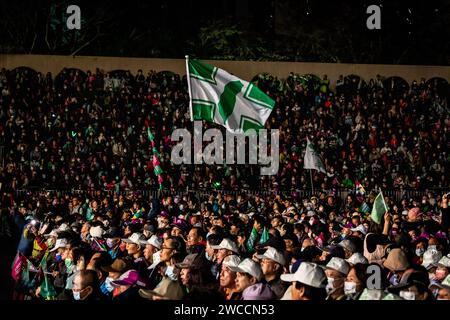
[[312, 161], [379, 208], [257, 233]]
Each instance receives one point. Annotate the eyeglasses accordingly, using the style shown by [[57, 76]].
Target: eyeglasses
[[164, 247]]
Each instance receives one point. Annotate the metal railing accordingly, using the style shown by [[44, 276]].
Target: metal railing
[[342, 193]]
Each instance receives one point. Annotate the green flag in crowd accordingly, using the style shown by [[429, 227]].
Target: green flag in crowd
[[379, 208], [252, 239], [264, 236]]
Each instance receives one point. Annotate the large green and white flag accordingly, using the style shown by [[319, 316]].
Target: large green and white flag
[[312, 159], [222, 98], [379, 208]]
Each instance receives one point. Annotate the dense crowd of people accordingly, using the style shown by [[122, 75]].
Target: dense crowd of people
[[224, 247], [89, 132]]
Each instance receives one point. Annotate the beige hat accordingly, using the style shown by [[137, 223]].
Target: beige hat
[[396, 260], [249, 266], [308, 273], [274, 255], [166, 289]]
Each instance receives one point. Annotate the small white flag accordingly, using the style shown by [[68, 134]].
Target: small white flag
[[312, 159]]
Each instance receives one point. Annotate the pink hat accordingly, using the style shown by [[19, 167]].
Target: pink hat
[[258, 291], [129, 278], [413, 213]]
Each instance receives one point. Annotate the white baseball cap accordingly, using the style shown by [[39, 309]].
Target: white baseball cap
[[60, 243], [308, 273], [136, 238], [445, 283], [96, 232], [360, 228], [53, 233], [249, 266], [227, 244], [339, 265], [348, 245], [155, 241], [156, 259], [357, 257], [274, 255], [445, 262], [63, 227], [231, 261], [431, 258]]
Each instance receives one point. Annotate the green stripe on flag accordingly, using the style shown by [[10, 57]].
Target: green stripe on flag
[[203, 110], [255, 95], [228, 99], [248, 123], [251, 240], [264, 236], [202, 71]]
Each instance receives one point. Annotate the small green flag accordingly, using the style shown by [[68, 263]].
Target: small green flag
[[264, 236], [155, 152], [157, 170], [150, 135], [379, 208], [251, 240]]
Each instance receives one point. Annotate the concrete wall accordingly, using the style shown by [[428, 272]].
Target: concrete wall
[[244, 69]]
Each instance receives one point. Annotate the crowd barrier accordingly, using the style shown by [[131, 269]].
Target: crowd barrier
[[342, 193]]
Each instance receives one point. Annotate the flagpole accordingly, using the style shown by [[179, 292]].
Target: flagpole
[[188, 78], [312, 183], [384, 201]]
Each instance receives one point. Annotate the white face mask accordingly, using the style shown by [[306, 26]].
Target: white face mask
[[408, 295], [108, 284], [76, 295], [170, 272], [330, 285], [349, 287]]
